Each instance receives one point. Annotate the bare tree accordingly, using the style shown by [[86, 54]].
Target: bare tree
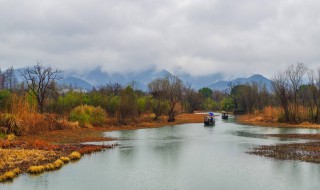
[[40, 81], [158, 102], [191, 99], [171, 89], [10, 81], [111, 88], [280, 88], [314, 87], [295, 75]]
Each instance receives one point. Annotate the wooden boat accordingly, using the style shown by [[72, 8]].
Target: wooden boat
[[224, 115], [209, 121]]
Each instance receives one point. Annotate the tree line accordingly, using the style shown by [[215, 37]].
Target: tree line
[[296, 91]]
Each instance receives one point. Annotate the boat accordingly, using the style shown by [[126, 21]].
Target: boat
[[224, 115], [209, 120]]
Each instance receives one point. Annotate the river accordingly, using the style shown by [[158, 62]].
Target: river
[[182, 157]]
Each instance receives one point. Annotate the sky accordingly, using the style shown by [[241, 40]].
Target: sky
[[199, 37]]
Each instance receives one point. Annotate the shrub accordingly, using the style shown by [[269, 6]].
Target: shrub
[[9, 124], [88, 116]]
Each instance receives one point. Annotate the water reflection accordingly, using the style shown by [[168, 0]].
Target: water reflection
[[182, 157]]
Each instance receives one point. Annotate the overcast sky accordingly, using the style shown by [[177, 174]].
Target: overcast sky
[[235, 37]]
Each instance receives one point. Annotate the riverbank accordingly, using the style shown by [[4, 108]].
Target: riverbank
[[305, 151], [50, 150], [259, 120], [96, 133]]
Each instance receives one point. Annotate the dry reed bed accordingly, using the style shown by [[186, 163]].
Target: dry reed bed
[[38, 156], [269, 117]]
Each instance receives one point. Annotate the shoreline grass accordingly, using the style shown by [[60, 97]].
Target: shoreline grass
[[53, 149]]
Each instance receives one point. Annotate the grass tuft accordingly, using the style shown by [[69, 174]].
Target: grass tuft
[[65, 159], [10, 175], [75, 156]]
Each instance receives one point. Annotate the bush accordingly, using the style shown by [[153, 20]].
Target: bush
[[9, 124], [88, 116]]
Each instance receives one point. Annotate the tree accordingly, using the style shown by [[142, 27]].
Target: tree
[[10, 79], [111, 89], [158, 101], [191, 99], [40, 80], [169, 88], [173, 87], [127, 105], [281, 91], [295, 75], [314, 96], [206, 92]]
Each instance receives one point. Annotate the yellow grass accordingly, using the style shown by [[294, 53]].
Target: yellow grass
[[58, 163], [48, 167], [11, 156], [65, 159], [10, 175], [36, 169], [10, 137], [75, 156]]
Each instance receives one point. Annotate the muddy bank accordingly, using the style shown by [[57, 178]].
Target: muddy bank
[[308, 152], [305, 151]]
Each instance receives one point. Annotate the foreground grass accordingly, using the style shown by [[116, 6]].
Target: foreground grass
[[38, 156]]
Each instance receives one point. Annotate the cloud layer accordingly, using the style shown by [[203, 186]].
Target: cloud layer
[[195, 36]]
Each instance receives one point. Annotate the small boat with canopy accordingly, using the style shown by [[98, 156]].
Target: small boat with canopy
[[224, 115], [209, 119]]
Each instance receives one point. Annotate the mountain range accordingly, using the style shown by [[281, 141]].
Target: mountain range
[[259, 79], [97, 77]]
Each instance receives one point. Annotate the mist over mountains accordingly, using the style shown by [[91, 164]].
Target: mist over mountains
[[140, 80]]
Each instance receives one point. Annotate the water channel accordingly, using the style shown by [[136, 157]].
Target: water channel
[[182, 157]]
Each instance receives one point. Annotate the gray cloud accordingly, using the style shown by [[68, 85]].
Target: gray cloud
[[195, 36]]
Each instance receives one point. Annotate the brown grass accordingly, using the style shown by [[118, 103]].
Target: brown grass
[[270, 116]]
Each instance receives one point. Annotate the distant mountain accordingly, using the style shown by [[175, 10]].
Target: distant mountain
[[259, 79], [75, 82], [98, 77], [140, 80]]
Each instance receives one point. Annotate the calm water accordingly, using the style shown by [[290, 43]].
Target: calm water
[[182, 157]]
